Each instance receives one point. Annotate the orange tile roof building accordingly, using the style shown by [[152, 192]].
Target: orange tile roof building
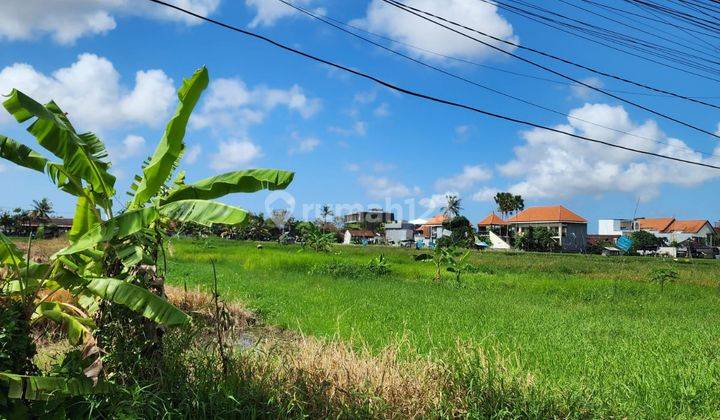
[[569, 229], [674, 230]]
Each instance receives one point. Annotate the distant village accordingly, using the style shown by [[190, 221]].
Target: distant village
[[667, 236]]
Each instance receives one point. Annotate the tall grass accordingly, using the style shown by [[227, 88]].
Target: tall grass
[[576, 334]]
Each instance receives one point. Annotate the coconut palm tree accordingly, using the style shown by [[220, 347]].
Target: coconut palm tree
[[453, 206], [325, 211], [42, 209]]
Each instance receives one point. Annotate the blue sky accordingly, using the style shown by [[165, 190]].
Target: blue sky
[[114, 66]]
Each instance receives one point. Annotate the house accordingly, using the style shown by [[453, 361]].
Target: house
[[674, 230], [496, 229], [359, 236], [432, 230], [569, 229], [54, 226], [399, 232], [371, 219]]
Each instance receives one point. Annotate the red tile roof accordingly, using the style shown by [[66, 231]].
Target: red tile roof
[[492, 220], [546, 214], [436, 220], [686, 226], [658, 225]]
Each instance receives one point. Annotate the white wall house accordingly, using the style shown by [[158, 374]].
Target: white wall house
[[673, 230], [399, 232]]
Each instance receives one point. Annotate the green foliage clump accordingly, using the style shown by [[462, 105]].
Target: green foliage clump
[[539, 239], [17, 347], [316, 239], [379, 265], [662, 276], [644, 241]]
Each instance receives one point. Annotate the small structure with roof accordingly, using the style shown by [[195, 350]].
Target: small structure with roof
[[568, 228], [496, 229]]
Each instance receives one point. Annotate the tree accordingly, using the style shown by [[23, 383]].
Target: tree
[[453, 206], [644, 241], [41, 210], [325, 211], [461, 232], [113, 258], [504, 201], [517, 203]]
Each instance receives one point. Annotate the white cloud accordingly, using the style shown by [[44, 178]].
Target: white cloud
[[235, 154], [485, 194], [91, 93], [390, 21], [193, 153], [553, 165], [365, 97], [359, 128], [382, 110], [584, 92], [470, 175], [304, 145], [133, 145], [383, 166], [68, 20], [231, 104], [437, 200], [267, 13], [383, 187], [352, 167]]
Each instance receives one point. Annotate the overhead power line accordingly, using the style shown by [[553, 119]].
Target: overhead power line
[[422, 14], [327, 20], [425, 96], [489, 67]]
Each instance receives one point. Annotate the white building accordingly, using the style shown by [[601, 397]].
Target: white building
[[674, 230], [399, 232], [614, 227]]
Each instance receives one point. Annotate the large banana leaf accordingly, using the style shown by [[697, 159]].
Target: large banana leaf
[[21, 155], [139, 300], [203, 212], [44, 387], [10, 255], [81, 156], [77, 328], [85, 218], [116, 228], [170, 147], [248, 181]]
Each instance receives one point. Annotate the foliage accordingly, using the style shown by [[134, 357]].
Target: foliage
[[316, 239], [325, 212], [644, 241], [110, 267], [538, 239], [461, 232], [456, 263], [663, 275], [379, 265], [508, 203], [453, 206], [17, 347]]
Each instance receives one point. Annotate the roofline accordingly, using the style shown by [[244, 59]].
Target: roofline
[[546, 221]]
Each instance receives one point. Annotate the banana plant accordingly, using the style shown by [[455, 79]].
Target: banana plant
[[110, 256]]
